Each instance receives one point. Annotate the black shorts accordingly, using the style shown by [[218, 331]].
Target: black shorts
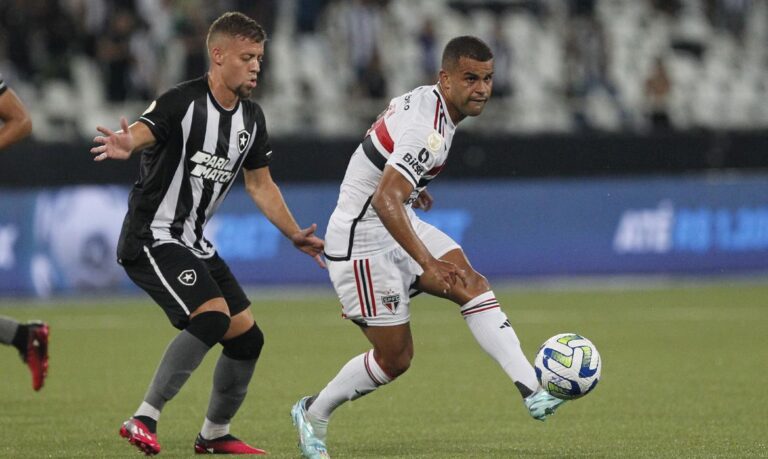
[[180, 282]]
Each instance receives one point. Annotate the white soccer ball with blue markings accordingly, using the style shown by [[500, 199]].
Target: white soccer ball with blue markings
[[568, 366]]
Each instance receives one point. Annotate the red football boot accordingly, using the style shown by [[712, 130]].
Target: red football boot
[[139, 435], [224, 445], [36, 354]]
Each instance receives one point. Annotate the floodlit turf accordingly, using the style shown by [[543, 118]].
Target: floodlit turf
[[684, 375]]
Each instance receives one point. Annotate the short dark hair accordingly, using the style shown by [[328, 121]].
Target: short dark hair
[[465, 46], [237, 24]]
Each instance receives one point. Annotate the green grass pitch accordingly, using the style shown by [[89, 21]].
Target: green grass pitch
[[684, 375]]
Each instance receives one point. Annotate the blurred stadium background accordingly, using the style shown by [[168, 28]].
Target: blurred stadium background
[[624, 137], [627, 142]]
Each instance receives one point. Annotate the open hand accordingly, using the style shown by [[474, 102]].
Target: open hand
[[306, 241], [115, 145]]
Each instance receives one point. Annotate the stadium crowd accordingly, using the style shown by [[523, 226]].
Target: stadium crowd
[[561, 65]]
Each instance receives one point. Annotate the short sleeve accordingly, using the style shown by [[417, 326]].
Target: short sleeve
[[163, 113], [411, 157], [260, 153]]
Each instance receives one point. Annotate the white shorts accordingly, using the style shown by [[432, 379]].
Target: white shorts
[[376, 290]]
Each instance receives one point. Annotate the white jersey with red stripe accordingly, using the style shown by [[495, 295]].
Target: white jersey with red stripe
[[412, 136]]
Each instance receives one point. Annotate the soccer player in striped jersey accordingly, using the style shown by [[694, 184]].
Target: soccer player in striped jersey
[[194, 140], [31, 338], [380, 253]]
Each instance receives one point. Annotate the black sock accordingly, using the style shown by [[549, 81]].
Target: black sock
[[149, 422], [20, 338], [524, 390]]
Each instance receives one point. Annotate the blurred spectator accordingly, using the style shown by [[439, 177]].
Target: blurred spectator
[[192, 28], [145, 57], [581, 8], [372, 80], [587, 69], [428, 52], [38, 37], [657, 89], [114, 52], [308, 12], [18, 19], [59, 35], [502, 60], [729, 15], [668, 7], [90, 19], [362, 21]]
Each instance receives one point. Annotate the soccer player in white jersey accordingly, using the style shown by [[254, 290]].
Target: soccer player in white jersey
[[31, 338], [379, 252]]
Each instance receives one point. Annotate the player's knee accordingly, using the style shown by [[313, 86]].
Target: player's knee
[[209, 327], [396, 364], [476, 284], [246, 346]]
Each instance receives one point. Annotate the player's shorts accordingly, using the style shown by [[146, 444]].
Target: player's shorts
[[180, 282], [376, 291]]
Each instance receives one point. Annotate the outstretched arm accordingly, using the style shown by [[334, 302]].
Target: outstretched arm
[[268, 198], [121, 144], [16, 123], [392, 192]]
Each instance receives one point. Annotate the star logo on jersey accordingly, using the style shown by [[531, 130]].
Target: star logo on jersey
[[243, 137], [391, 301], [188, 277]]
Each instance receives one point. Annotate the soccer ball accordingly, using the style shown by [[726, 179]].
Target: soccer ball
[[568, 366]]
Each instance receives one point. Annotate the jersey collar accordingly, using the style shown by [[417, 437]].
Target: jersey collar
[[216, 102], [436, 89]]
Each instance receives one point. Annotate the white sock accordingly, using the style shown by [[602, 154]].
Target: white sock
[[496, 336], [358, 377], [212, 430], [145, 409]]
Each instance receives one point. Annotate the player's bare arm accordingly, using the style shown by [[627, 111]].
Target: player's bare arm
[[15, 119], [121, 144], [392, 192], [268, 198]]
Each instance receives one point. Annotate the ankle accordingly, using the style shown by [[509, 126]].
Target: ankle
[[319, 426], [149, 422], [21, 337], [212, 430]]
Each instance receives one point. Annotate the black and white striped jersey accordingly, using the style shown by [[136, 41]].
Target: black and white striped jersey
[[185, 176]]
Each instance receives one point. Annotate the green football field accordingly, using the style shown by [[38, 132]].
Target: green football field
[[685, 371]]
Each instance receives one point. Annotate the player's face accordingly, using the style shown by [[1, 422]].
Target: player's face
[[241, 65], [468, 86]]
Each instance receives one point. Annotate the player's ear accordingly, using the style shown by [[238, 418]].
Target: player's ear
[[445, 82], [217, 55]]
